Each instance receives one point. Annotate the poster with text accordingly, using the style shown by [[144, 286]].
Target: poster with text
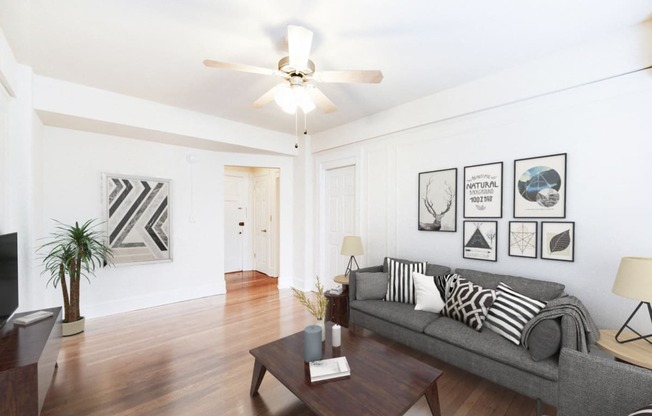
[[483, 191]]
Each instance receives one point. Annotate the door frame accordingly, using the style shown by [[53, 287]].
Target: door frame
[[321, 243]]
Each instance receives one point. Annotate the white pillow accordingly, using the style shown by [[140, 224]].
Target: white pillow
[[428, 296]]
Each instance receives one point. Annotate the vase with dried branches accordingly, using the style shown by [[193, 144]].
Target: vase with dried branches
[[316, 306]]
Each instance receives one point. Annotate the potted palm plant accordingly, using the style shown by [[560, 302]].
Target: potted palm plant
[[74, 252]]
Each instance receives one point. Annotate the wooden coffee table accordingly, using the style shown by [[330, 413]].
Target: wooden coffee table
[[383, 380]]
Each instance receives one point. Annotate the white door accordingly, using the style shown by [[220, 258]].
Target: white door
[[235, 221], [339, 218], [264, 223]]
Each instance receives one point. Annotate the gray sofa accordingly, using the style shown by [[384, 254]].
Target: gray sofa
[[590, 385], [484, 353]]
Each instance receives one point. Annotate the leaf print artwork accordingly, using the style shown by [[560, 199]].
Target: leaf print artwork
[[560, 241]]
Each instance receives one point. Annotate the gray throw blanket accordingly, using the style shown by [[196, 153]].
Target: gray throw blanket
[[585, 330]]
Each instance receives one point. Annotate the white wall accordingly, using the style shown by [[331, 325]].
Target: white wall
[[71, 188], [605, 130], [52, 172]]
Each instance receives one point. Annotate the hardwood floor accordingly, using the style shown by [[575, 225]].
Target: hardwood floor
[[192, 358]]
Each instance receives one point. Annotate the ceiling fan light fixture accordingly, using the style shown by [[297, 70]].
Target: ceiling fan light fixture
[[303, 100], [289, 98]]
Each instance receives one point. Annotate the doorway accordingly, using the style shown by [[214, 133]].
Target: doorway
[[251, 236]]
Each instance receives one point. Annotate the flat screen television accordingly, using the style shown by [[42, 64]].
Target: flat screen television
[[8, 276]]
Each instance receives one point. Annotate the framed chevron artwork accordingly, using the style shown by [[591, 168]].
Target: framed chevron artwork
[[137, 214]]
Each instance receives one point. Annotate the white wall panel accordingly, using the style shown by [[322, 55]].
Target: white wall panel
[[605, 130]]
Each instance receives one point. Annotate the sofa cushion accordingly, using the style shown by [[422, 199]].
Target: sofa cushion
[[401, 287], [469, 303], [545, 339], [371, 285], [491, 345], [510, 312], [427, 294], [537, 289], [398, 313], [437, 270]]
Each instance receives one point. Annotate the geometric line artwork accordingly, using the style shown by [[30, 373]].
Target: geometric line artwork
[[138, 218], [523, 239]]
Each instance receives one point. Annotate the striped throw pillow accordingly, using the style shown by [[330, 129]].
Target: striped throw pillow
[[400, 287], [510, 312], [647, 410]]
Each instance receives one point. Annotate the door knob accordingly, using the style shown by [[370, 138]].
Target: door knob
[[264, 231]]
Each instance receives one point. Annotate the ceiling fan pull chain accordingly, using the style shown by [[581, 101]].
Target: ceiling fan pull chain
[[296, 129]]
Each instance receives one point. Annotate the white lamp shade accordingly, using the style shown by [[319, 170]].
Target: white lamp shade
[[352, 246], [634, 279]]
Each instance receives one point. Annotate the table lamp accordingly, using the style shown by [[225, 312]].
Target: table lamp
[[634, 281], [351, 246]]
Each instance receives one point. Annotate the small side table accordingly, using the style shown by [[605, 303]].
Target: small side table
[[337, 310], [637, 352]]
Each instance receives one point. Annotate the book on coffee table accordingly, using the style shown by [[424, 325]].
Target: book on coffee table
[[329, 369]]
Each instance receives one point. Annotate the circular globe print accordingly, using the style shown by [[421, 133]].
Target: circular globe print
[[537, 185]]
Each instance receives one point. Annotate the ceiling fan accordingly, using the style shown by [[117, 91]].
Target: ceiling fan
[[298, 72]]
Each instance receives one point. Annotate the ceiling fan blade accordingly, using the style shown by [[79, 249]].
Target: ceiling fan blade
[[299, 44], [266, 98], [361, 76], [240, 67], [321, 100]]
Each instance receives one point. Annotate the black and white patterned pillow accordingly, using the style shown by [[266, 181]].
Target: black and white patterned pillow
[[400, 287], [510, 312], [445, 284], [647, 410], [469, 303]]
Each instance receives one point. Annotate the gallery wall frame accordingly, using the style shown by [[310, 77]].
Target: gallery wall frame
[[438, 200], [137, 214], [540, 187], [480, 240], [523, 239], [483, 191], [558, 240]]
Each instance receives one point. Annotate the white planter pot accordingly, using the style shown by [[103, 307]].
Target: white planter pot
[[72, 328]]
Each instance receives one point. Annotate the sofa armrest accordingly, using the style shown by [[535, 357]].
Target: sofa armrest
[[352, 287], [595, 386]]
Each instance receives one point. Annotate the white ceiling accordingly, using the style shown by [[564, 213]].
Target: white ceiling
[[153, 49]]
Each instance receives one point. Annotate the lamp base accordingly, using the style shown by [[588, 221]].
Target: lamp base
[[625, 325], [348, 267]]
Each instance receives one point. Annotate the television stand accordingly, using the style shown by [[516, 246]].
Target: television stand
[[28, 358]]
